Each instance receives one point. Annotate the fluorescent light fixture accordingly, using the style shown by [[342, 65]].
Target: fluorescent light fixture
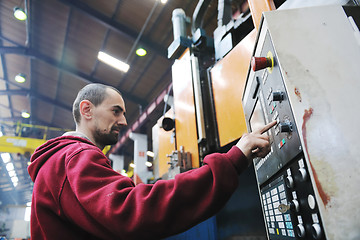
[[5, 157], [132, 165], [141, 52], [20, 78], [114, 62], [12, 173], [25, 114], [10, 167], [148, 164], [27, 213], [15, 179], [19, 14], [150, 154]]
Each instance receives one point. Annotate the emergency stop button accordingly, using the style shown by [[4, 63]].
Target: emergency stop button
[[259, 63]]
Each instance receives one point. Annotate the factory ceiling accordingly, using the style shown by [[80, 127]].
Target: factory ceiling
[[57, 49]]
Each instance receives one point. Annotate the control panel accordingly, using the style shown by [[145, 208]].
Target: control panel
[[304, 74], [288, 199]]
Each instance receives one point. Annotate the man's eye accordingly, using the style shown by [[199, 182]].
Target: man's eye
[[116, 112]]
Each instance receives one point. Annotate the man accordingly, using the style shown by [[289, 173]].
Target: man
[[78, 196]]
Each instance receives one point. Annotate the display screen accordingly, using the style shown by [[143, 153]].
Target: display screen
[[257, 119]]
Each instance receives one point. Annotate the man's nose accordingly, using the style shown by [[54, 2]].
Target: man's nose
[[122, 121]]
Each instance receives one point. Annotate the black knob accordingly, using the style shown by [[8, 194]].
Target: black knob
[[300, 230], [295, 206], [285, 127], [289, 181], [278, 96], [303, 174], [316, 231]]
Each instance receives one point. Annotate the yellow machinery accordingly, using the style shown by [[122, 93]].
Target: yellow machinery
[[208, 114], [207, 109], [21, 144], [164, 145]]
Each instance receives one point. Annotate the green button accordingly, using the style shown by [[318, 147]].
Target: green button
[[283, 141]]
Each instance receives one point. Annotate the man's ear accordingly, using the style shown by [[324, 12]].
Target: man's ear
[[86, 109]]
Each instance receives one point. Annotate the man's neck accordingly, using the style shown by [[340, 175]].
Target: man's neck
[[88, 136], [76, 134]]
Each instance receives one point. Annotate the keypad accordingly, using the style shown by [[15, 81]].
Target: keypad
[[278, 224]]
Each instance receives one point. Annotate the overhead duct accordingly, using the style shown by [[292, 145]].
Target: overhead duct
[[224, 13], [198, 14]]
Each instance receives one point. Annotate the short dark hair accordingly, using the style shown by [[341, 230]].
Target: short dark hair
[[94, 92]]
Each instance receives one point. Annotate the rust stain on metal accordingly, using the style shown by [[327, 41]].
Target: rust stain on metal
[[298, 94], [324, 197]]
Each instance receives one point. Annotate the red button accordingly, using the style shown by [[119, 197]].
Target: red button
[[259, 63]]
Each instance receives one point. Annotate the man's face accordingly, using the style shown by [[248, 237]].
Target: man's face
[[108, 118]]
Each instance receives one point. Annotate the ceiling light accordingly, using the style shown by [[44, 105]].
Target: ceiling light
[[20, 78], [19, 14], [115, 63], [14, 179], [141, 52], [150, 154], [12, 173], [5, 157], [25, 114], [10, 167], [163, 1]]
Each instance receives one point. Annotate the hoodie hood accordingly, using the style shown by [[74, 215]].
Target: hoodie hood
[[42, 153]]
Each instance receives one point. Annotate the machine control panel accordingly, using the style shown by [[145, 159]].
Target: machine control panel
[[289, 205], [287, 196], [269, 102]]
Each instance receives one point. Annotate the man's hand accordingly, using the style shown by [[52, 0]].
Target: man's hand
[[256, 144]]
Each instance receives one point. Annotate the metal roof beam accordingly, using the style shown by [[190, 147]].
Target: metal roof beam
[[24, 92], [87, 78], [120, 28], [4, 68], [14, 92]]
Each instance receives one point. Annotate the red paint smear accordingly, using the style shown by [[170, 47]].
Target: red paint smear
[[297, 92], [325, 198]]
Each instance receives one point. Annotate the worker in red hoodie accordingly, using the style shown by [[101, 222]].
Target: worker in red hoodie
[[77, 195]]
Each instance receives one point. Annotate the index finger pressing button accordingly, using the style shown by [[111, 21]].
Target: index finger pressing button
[[267, 127]]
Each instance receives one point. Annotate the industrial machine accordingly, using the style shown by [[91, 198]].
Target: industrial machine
[[305, 75]]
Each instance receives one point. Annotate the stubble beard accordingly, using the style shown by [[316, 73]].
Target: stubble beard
[[105, 138]]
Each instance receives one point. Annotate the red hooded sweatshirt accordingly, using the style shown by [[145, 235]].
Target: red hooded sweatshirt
[[77, 195]]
